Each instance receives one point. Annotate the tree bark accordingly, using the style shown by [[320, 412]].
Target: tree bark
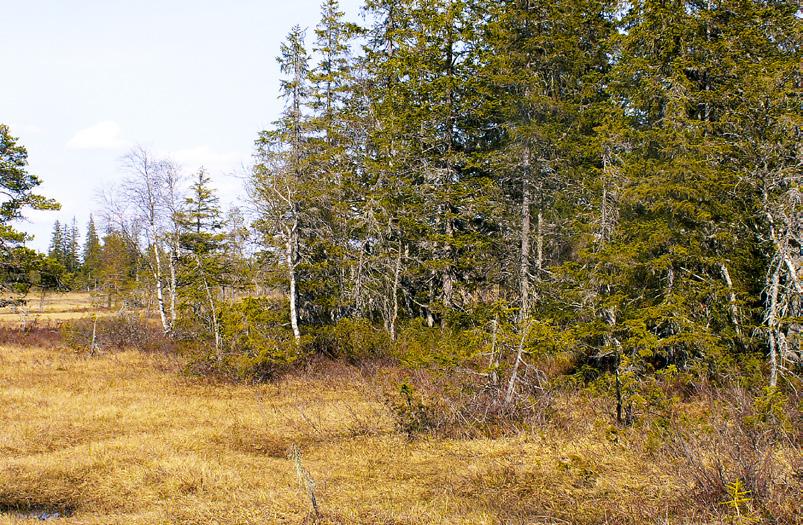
[[212, 310], [292, 254], [511, 384], [524, 261], [395, 294], [772, 322], [734, 307], [173, 284], [157, 276]]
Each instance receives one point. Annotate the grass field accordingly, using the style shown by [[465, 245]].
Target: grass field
[[126, 438], [53, 307]]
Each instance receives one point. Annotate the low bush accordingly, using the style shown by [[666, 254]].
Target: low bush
[[257, 342], [32, 334], [747, 443], [125, 331], [351, 339], [455, 403]]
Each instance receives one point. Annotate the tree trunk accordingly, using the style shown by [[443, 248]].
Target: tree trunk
[[395, 294], [358, 305], [157, 275], [448, 279], [772, 322], [291, 254], [539, 245], [511, 384], [493, 361], [430, 317], [734, 307], [173, 284], [524, 261], [212, 310]]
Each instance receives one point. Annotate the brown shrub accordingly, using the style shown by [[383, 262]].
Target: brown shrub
[[746, 440], [33, 334], [120, 332], [459, 404]]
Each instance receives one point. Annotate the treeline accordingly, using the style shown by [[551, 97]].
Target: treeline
[[619, 183], [485, 183], [621, 180]]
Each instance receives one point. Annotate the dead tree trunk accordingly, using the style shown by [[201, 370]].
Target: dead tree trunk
[[394, 315], [514, 374]]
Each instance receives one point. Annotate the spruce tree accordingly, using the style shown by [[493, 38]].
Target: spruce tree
[[91, 255], [73, 248], [56, 249], [202, 269], [325, 247], [281, 179]]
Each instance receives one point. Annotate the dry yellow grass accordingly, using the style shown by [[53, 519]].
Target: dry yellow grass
[[124, 439], [54, 307]]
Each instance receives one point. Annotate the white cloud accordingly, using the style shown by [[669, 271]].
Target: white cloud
[[103, 135]]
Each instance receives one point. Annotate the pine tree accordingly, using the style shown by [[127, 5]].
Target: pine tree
[[620, 175], [760, 122], [324, 247], [73, 248], [17, 186], [117, 266], [66, 240], [673, 235]]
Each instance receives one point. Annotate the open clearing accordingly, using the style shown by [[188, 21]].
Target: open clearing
[[128, 438], [123, 438], [53, 308]]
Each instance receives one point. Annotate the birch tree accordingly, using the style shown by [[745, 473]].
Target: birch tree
[[145, 206]]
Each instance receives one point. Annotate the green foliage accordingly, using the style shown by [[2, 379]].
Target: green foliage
[[412, 415], [257, 342], [17, 186], [420, 346], [24, 269], [769, 412], [738, 502], [352, 339], [91, 257]]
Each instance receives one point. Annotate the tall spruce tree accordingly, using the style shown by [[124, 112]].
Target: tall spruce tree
[[73, 248], [56, 248], [281, 179], [325, 233], [618, 175]]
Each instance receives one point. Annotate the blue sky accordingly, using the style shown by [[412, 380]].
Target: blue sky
[[190, 79]]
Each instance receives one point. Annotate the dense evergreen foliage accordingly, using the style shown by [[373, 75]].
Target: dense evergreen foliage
[[625, 175]]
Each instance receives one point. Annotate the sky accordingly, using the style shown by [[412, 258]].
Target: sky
[[83, 81]]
